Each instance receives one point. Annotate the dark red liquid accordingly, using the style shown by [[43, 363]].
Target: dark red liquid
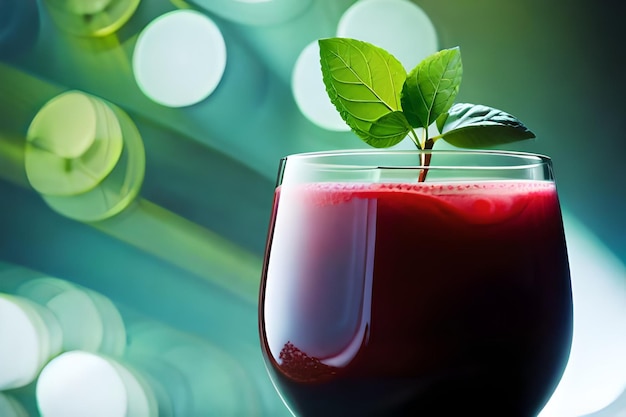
[[416, 300]]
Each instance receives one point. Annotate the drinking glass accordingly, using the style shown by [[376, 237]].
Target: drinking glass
[[394, 289]]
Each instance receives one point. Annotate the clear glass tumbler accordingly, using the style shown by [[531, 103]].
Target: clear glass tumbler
[[395, 289]]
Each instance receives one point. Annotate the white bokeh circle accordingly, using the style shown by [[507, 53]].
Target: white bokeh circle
[[77, 384], [29, 338], [398, 26], [309, 91], [596, 371], [179, 58]]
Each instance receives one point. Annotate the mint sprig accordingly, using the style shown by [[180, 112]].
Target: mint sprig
[[383, 104]]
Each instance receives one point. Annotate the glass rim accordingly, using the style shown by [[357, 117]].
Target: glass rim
[[526, 159]]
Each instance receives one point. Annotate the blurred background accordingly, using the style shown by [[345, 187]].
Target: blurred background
[[139, 143]]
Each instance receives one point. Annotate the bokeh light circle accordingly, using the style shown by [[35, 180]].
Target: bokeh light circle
[[77, 384], [120, 187], [85, 7], [95, 18], [398, 26], [72, 144], [89, 321], [28, 340], [85, 157], [596, 371], [179, 58], [309, 91]]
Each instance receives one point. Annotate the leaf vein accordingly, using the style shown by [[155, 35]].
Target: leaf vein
[[358, 77]]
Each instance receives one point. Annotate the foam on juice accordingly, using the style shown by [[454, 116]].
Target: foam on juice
[[477, 202]]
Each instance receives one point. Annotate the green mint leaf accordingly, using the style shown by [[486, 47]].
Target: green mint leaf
[[389, 130], [477, 126], [363, 82], [431, 87]]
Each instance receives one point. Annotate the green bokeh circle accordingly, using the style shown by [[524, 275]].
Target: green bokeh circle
[[115, 192], [72, 144]]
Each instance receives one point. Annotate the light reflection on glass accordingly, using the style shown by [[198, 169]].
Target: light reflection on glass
[[179, 58], [345, 318], [596, 372]]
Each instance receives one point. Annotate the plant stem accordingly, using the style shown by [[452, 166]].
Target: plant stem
[[425, 159]]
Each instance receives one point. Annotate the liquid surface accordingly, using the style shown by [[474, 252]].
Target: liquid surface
[[422, 299]]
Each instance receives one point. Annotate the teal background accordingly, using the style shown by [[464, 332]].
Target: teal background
[[555, 65]]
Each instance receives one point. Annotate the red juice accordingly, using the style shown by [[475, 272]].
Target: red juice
[[416, 299]]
